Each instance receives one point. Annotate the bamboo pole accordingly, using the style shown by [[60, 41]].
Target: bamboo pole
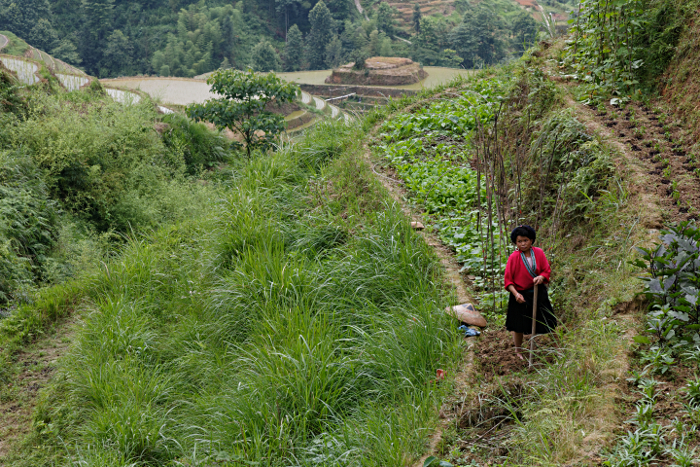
[[534, 323]]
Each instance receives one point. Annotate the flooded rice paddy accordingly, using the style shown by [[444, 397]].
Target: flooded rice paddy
[[123, 97], [72, 82], [167, 90], [25, 70], [436, 76]]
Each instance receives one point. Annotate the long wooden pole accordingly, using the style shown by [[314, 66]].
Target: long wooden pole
[[534, 324]]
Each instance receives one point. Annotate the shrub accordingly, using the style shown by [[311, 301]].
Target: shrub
[[28, 222], [201, 147], [101, 159], [674, 266]]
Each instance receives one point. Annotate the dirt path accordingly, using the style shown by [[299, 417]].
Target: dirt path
[[31, 371], [3, 41]]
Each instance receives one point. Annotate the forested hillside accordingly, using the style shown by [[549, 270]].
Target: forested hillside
[[109, 38]]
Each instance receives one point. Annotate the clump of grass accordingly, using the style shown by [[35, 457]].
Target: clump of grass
[[261, 329]]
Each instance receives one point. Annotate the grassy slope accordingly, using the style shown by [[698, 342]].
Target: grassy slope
[[196, 341], [19, 48], [299, 317]]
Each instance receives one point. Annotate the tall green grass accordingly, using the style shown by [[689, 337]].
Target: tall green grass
[[297, 321]]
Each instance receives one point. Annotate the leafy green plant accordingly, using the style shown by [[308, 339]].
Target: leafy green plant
[[200, 147], [674, 282], [242, 108], [692, 355], [692, 392], [682, 456], [648, 390], [657, 359], [644, 414]]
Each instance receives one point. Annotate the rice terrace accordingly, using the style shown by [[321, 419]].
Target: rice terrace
[[349, 233]]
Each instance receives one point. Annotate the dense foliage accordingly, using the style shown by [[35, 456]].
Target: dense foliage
[[620, 47], [76, 167], [187, 38], [475, 182]]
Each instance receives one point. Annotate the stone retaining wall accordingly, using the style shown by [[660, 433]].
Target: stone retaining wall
[[337, 90]]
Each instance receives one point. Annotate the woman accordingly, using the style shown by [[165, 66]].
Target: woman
[[527, 267]]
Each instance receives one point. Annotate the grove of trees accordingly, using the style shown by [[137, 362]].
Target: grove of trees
[[185, 38]]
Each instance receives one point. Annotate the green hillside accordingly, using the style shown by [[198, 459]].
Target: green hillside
[[16, 47], [167, 299]]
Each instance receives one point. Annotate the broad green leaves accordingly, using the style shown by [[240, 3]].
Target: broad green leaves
[[674, 285], [431, 150], [243, 107], [605, 51]]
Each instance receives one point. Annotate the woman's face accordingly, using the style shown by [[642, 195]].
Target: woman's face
[[523, 243]]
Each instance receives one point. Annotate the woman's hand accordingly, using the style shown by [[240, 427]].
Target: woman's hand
[[538, 280], [519, 297]]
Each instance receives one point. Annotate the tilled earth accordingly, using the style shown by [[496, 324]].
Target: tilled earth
[[668, 151]]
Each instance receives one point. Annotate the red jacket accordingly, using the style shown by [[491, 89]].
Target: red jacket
[[517, 275]]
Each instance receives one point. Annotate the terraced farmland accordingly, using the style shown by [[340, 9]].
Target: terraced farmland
[[25, 70], [176, 91], [123, 97], [184, 91], [436, 76], [72, 82]]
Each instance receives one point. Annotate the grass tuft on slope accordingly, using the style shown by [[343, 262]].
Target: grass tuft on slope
[[298, 321]]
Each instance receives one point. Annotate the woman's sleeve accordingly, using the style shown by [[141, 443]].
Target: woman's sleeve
[[509, 274], [546, 270]]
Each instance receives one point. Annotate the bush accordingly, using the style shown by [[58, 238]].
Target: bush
[[28, 222], [674, 285], [101, 159], [200, 147]]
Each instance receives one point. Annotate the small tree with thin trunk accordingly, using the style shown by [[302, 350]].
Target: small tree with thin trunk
[[416, 17], [242, 109], [294, 50]]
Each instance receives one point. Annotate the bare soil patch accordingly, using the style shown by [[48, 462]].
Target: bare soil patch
[[665, 152], [32, 370]]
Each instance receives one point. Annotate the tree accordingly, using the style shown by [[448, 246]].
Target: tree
[[294, 50], [97, 24], [117, 53], [320, 35], [242, 109], [385, 19], [42, 36], [21, 16], [340, 9], [416, 17], [524, 32], [265, 57], [431, 41], [478, 39], [379, 45], [334, 53], [67, 52]]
